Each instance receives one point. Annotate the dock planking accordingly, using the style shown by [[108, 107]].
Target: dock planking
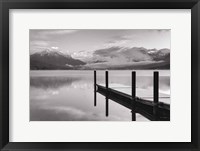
[[152, 110]]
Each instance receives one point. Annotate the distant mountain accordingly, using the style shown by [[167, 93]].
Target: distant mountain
[[129, 58], [123, 54], [162, 54], [115, 58], [52, 60]]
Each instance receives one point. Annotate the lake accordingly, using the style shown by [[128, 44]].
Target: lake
[[68, 95]]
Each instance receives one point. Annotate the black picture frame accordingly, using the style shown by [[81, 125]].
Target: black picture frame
[[5, 5]]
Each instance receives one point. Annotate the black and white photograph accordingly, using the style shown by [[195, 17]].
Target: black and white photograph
[[99, 74]]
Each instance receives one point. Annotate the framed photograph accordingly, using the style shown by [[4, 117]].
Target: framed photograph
[[91, 75]]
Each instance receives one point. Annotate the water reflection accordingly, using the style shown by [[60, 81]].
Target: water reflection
[[46, 82], [68, 95], [69, 114]]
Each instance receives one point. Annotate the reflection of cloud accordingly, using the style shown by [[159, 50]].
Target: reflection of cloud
[[52, 82], [78, 85], [44, 95], [60, 113], [54, 92], [57, 113], [167, 92], [146, 82]]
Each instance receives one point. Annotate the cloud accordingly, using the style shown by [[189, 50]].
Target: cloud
[[112, 51], [47, 33], [163, 30], [117, 41], [43, 38], [39, 43], [118, 55], [82, 54], [118, 38], [57, 32], [56, 48]]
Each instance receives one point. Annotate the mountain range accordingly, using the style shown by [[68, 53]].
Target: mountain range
[[52, 60], [107, 58]]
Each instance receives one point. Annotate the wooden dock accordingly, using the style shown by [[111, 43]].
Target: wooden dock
[[152, 110]]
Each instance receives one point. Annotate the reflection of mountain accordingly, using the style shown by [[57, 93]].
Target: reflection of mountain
[[52, 82], [53, 60], [145, 82]]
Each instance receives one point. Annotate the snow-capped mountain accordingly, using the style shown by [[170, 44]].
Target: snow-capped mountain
[[107, 58], [124, 54], [53, 59], [50, 52], [129, 58]]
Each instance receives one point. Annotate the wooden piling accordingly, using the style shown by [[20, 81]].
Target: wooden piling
[[147, 108], [95, 87], [133, 95], [107, 93], [155, 94]]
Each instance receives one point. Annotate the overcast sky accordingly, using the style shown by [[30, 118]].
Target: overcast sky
[[74, 42]]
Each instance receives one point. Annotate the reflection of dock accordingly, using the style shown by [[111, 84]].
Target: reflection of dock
[[152, 110]]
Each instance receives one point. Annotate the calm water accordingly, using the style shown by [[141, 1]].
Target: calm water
[[69, 95]]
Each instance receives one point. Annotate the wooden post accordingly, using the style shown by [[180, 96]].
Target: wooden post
[[133, 95], [107, 93], [95, 88], [155, 94]]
